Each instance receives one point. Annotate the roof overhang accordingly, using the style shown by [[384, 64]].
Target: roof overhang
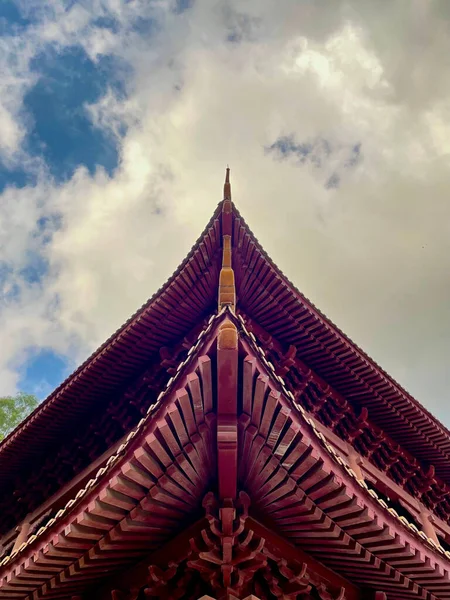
[[266, 296], [155, 482]]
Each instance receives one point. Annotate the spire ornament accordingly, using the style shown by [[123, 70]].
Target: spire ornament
[[227, 362], [227, 185], [227, 288]]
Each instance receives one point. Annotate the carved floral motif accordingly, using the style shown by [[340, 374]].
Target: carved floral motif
[[228, 560]]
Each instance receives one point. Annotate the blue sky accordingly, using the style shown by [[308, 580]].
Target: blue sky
[[117, 119], [60, 137], [61, 134], [61, 131]]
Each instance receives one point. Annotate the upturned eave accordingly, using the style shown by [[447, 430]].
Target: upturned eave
[[298, 486]]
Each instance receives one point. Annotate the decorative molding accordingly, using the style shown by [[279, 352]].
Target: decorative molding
[[231, 560]]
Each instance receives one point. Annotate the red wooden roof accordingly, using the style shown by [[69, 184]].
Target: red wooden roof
[[155, 481], [269, 298], [187, 297]]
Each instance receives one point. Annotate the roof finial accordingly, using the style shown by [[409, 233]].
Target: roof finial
[[227, 207], [227, 289], [227, 186]]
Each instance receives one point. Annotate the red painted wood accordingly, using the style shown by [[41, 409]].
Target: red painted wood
[[297, 488], [206, 376], [248, 383], [227, 381], [268, 297]]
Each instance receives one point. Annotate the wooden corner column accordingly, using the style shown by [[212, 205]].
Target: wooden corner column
[[227, 435]]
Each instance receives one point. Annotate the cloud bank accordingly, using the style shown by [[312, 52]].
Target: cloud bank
[[333, 116]]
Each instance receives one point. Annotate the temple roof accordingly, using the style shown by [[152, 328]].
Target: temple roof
[[241, 472], [265, 295], [153, 485]]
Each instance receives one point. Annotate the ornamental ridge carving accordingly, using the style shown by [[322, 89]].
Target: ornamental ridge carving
[[227, 560]]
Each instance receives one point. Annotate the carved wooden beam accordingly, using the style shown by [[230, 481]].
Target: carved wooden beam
[[233, 558], [227, 382], [227, 554]]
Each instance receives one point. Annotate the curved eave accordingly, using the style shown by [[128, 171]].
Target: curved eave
[[109, 509], [293, 477], [167, 316], [269, 298], [274, 302], [314, 499]]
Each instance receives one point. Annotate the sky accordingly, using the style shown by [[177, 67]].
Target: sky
[[118, 117]]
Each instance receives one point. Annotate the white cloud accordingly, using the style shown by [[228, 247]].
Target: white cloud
[[373, 254]]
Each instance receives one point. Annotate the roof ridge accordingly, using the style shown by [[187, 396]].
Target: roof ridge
[[88, 362], [344, 337]]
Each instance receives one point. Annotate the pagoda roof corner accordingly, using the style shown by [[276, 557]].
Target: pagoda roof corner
[[227, 259], [188, 297], [157, 478]]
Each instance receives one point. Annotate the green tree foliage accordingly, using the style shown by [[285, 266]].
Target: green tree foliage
[[13, 410]]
